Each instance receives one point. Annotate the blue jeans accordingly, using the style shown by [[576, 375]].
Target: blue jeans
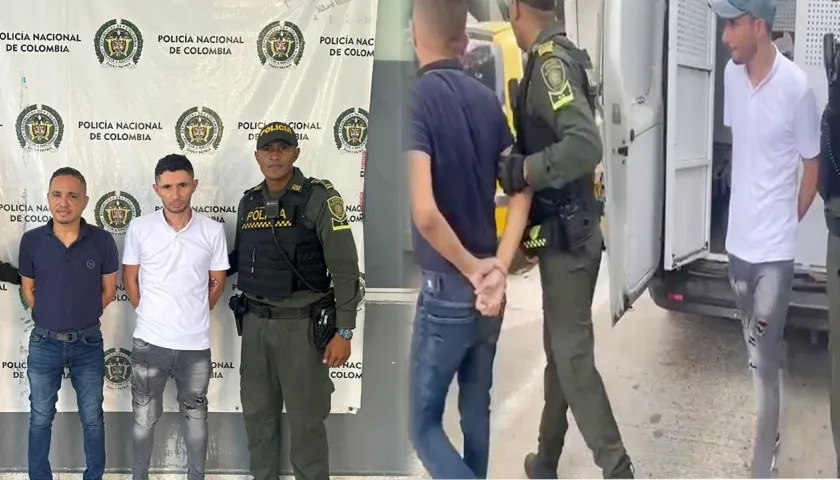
[[48, 357], [451, 338]]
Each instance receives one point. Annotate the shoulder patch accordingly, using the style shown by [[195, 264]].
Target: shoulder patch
[[338, 213], [336, 206], [324, 183], [560, 92]]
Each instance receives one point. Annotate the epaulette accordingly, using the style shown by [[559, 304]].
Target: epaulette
[[545, 48], [324, 183], [255, 188]]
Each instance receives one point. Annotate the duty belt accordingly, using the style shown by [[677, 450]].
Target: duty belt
[[67, 336], [263, 310]]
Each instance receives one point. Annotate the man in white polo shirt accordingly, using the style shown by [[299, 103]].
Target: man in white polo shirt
[[775, 124], [166, 261]]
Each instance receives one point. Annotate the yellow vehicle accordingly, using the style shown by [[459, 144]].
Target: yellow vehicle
[[495, 59]]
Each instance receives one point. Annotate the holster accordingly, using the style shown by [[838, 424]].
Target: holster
[[832, 223], [323, 314], [576, 230], [238, 305]]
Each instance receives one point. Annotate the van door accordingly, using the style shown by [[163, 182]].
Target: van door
[[631, 75], [689, 131]]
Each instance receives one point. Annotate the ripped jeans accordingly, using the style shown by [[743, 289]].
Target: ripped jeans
[[151, 368], [763, 292]]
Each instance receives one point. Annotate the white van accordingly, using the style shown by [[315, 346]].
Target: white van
[[666, 154]]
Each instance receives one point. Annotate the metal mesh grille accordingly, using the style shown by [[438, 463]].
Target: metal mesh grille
[[823, 17], [693, 40], [785, 16]]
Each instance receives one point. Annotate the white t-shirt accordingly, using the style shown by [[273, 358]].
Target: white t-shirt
[[174, 309], [774, 126]]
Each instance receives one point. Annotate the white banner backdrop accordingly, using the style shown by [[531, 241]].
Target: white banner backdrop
[[110, 87]]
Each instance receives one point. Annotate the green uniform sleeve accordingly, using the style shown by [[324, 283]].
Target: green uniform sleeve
[[557, 96], [326, 209], [8, 273]]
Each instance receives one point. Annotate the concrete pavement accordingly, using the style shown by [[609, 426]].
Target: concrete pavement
[[680, 390]]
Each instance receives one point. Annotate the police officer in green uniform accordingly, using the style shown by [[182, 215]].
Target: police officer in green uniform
[[298, 269], [558, 149], [829, 190]]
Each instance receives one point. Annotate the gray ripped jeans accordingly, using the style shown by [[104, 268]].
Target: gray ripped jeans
[[151, 368], [763, 293]]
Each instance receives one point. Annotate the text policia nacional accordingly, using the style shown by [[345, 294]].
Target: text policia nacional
[[37, 42]]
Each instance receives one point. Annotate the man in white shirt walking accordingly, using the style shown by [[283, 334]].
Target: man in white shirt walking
[[168, 255], [775, 124]]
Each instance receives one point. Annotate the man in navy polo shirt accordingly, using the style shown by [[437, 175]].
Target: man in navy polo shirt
[[74, 266], [458, 133]]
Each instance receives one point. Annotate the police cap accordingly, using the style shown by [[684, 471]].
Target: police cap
[[545, 5], [276, 131]]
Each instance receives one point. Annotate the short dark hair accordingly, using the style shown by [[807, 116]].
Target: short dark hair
[[69, 172], [173, 163], [445, 19]]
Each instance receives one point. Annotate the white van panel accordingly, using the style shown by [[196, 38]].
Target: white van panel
[[690, 130], [633, 37], [813, 19]]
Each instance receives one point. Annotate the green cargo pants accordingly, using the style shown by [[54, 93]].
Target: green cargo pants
[[571, 380], [280, 364], [832, 267]]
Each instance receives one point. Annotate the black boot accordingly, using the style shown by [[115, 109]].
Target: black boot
[[536, 468]]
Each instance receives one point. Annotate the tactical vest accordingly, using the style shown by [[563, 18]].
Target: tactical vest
[[829, 182], [533, 134], [263, 270]]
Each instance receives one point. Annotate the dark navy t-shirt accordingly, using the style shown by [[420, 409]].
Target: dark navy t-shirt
[[460, 124], [68, 280]]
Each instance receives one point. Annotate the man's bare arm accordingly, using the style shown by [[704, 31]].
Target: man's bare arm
[[28, 288], [808, 185], [131, 275], [428, 219], [217, 286], [519, 207], [109, 289]]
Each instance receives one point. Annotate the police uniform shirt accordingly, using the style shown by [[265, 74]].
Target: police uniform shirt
[[557, 97]]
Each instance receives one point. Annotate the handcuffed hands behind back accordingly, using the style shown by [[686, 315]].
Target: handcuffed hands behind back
[[489, 279], [490, 295]]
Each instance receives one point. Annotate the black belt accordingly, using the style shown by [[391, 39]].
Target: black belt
[[263, 310], [67, 336]]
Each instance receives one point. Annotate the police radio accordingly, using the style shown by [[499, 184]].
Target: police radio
[[831, 58], [272, 210]]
